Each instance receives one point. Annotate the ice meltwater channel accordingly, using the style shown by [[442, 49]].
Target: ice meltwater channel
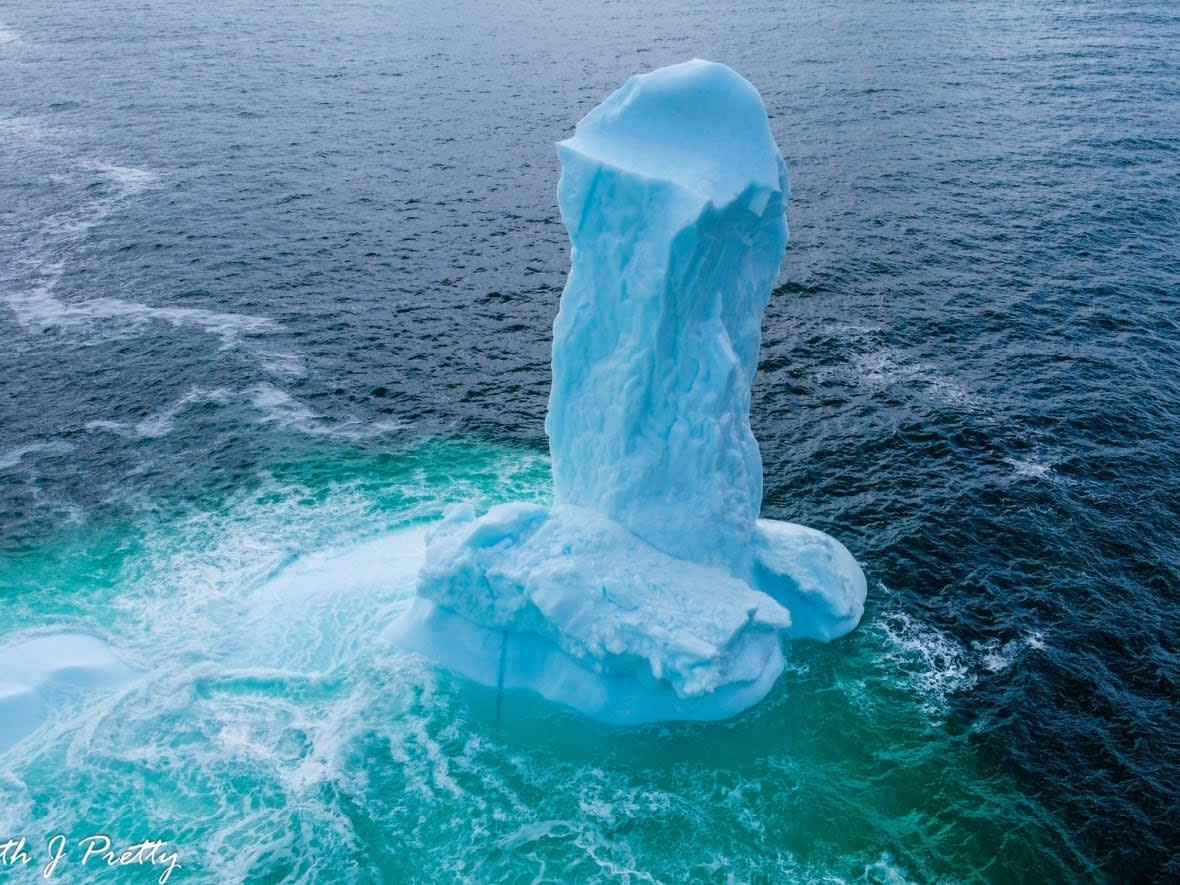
[[650, 590]]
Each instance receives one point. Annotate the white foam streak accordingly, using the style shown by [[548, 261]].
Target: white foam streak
[[941, 666], [279, 407], [161, 423], [886, 367], [1029, 469], [253, 667], [876, 366], [936, 662], [885, 871], [8, 36], [129, 179], [38, 308], [14, 457], [270, 404]]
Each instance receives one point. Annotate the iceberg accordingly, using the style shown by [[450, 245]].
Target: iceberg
[[651, 589]]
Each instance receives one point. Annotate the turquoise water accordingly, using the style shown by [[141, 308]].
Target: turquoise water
[[277, 284], [277, 738]]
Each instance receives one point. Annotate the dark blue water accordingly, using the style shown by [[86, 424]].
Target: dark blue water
[[275, 278]]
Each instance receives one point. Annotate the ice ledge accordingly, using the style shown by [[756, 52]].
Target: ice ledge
[[570, 605], [532, 663]]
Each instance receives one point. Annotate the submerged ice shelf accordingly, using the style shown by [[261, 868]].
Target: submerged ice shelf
[[42, 672], [651, 590]]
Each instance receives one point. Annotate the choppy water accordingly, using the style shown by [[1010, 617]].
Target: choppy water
[[277, 280]]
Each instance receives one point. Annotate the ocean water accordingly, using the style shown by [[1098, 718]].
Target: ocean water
[[276, 285]]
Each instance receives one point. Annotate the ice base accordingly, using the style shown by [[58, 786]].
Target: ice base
[[568, 604]]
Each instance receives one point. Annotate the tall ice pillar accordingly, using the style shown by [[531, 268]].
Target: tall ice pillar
[[673, 191]]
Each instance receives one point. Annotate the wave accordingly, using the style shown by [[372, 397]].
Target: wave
[[37, 307], [161, 423], [257, 624], [938, 664], [14, 457], [271, 406], [128, 178], [875, 366], [279, 407], [1029, 469], [886, 367]]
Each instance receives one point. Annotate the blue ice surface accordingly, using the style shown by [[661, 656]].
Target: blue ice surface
[[651, 590], [41, 673]]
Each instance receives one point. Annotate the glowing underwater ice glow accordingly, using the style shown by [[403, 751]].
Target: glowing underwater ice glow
[[651, 590]]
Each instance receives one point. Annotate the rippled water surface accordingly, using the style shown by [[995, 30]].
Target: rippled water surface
[[277, 282]]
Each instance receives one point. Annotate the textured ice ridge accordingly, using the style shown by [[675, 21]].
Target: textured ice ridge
[[650, 590]]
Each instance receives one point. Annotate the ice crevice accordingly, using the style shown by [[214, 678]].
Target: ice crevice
[[650, 590]]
